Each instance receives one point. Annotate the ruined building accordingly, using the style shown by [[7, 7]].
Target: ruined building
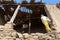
[[22, 21]]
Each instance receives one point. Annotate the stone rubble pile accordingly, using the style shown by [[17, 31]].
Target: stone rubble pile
[[8, 33], [13, 35]]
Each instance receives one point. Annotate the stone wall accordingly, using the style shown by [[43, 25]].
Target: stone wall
[[54, 12]]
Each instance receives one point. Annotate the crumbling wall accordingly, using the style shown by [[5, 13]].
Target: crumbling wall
[[55, 15]]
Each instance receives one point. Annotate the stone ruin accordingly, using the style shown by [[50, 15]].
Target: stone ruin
[[26, 24]]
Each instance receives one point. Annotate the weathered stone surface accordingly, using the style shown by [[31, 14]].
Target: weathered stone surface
[[18, 39], [33, 34], [8, 26], [35, 37], [20, 35], [1, 26], [54, 13], [25, 35], [13, 34], [58, 36]]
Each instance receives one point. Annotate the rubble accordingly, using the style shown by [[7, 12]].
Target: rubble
[[12, 35], [8, 33]]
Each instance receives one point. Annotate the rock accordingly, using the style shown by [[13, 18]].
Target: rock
[[13, 34], [33, 34], [25, 35], [51, 35], [1, 26], [4, 39], [48, 38], [31, 39], [20, 35], [58, 36], [9, 38], [2, 35], [39, 35], [8, 26], [18, 39], [35, 37]]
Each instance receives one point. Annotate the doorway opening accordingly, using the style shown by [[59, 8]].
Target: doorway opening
[[34, 19]]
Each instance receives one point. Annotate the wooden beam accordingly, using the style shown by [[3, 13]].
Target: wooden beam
[[21, 4], [15, 14]]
